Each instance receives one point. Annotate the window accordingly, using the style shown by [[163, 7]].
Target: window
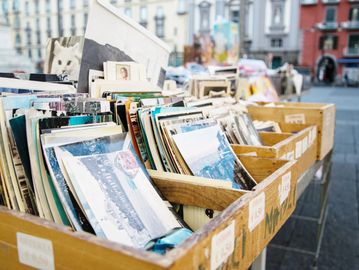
[[277, 23], [86, 3], [73, 25], [128, 12], [204, 15], [28, 34], [85, 20], [235, 16], [38, 37], [276, 43], [160, 22], [354, 14], [27, 12], [143, 16], [60, 5], [16, 5], [113, 2], [17, 21], [29, 53], [72, 4], [61, 26], [48, 26], [182, 8], [48, 5], [37, 7], [330, 15], [353, 42], [18, 40], [38, 24], [328, 42], [39, 55]]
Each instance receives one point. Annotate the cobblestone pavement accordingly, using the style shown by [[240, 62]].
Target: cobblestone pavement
[[340, 244]]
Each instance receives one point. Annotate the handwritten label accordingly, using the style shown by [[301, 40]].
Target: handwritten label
[[222, 246], [298, 149], [304, 144], [284, 187], [256, 211], [290, 155], [34, 251], [295, 118]]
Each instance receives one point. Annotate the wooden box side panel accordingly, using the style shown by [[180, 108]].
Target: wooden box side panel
[[71, 250], [247, 239], [327, 130], [273, 138]]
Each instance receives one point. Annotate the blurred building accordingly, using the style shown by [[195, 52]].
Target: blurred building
[[33, 21], [330, 45], [11, 61], [275, 31]]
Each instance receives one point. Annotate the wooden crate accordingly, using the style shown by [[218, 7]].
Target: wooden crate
[[321, 115], [234, 238], [297, 142]]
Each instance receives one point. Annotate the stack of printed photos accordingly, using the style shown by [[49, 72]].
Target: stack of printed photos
[[209, 86], [64, 159]]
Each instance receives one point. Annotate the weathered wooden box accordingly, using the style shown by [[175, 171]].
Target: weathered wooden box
[[321, 115], [232, 240], [297, 142]]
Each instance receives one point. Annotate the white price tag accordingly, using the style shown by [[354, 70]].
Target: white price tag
[[298, 149], [295, 118], [284, 187], [290, 155], [35, 251], [256, 211], [222, 246], [304, 144]]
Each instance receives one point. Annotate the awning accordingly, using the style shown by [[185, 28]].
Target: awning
[[348, 60]]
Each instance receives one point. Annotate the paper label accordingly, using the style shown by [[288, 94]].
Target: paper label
[[298, 149], [290, 155], [295, 118], [222, 246], [283, 157], [251, 154], [304, 144], [284, 187], [34, 251], [256, 211]]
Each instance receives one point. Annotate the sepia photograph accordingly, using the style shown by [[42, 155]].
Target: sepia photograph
[[123, 72]]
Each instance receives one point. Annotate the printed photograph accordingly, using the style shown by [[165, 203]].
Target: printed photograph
[[63, 56], [123, 72]]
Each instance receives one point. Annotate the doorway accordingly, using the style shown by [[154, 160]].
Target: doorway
[[326, 71]]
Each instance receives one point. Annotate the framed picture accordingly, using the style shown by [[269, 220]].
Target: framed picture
[[214, 88], [123, 72]]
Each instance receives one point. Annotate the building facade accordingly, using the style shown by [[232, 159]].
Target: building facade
[[276, 37], [34, 21], [330, 30]]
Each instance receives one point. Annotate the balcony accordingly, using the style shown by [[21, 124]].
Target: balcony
[[350, 25], [350, 51], [308, 2], [327, 26], [328, 2]]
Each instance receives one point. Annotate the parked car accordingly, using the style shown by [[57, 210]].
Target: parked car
[[252, 67]]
